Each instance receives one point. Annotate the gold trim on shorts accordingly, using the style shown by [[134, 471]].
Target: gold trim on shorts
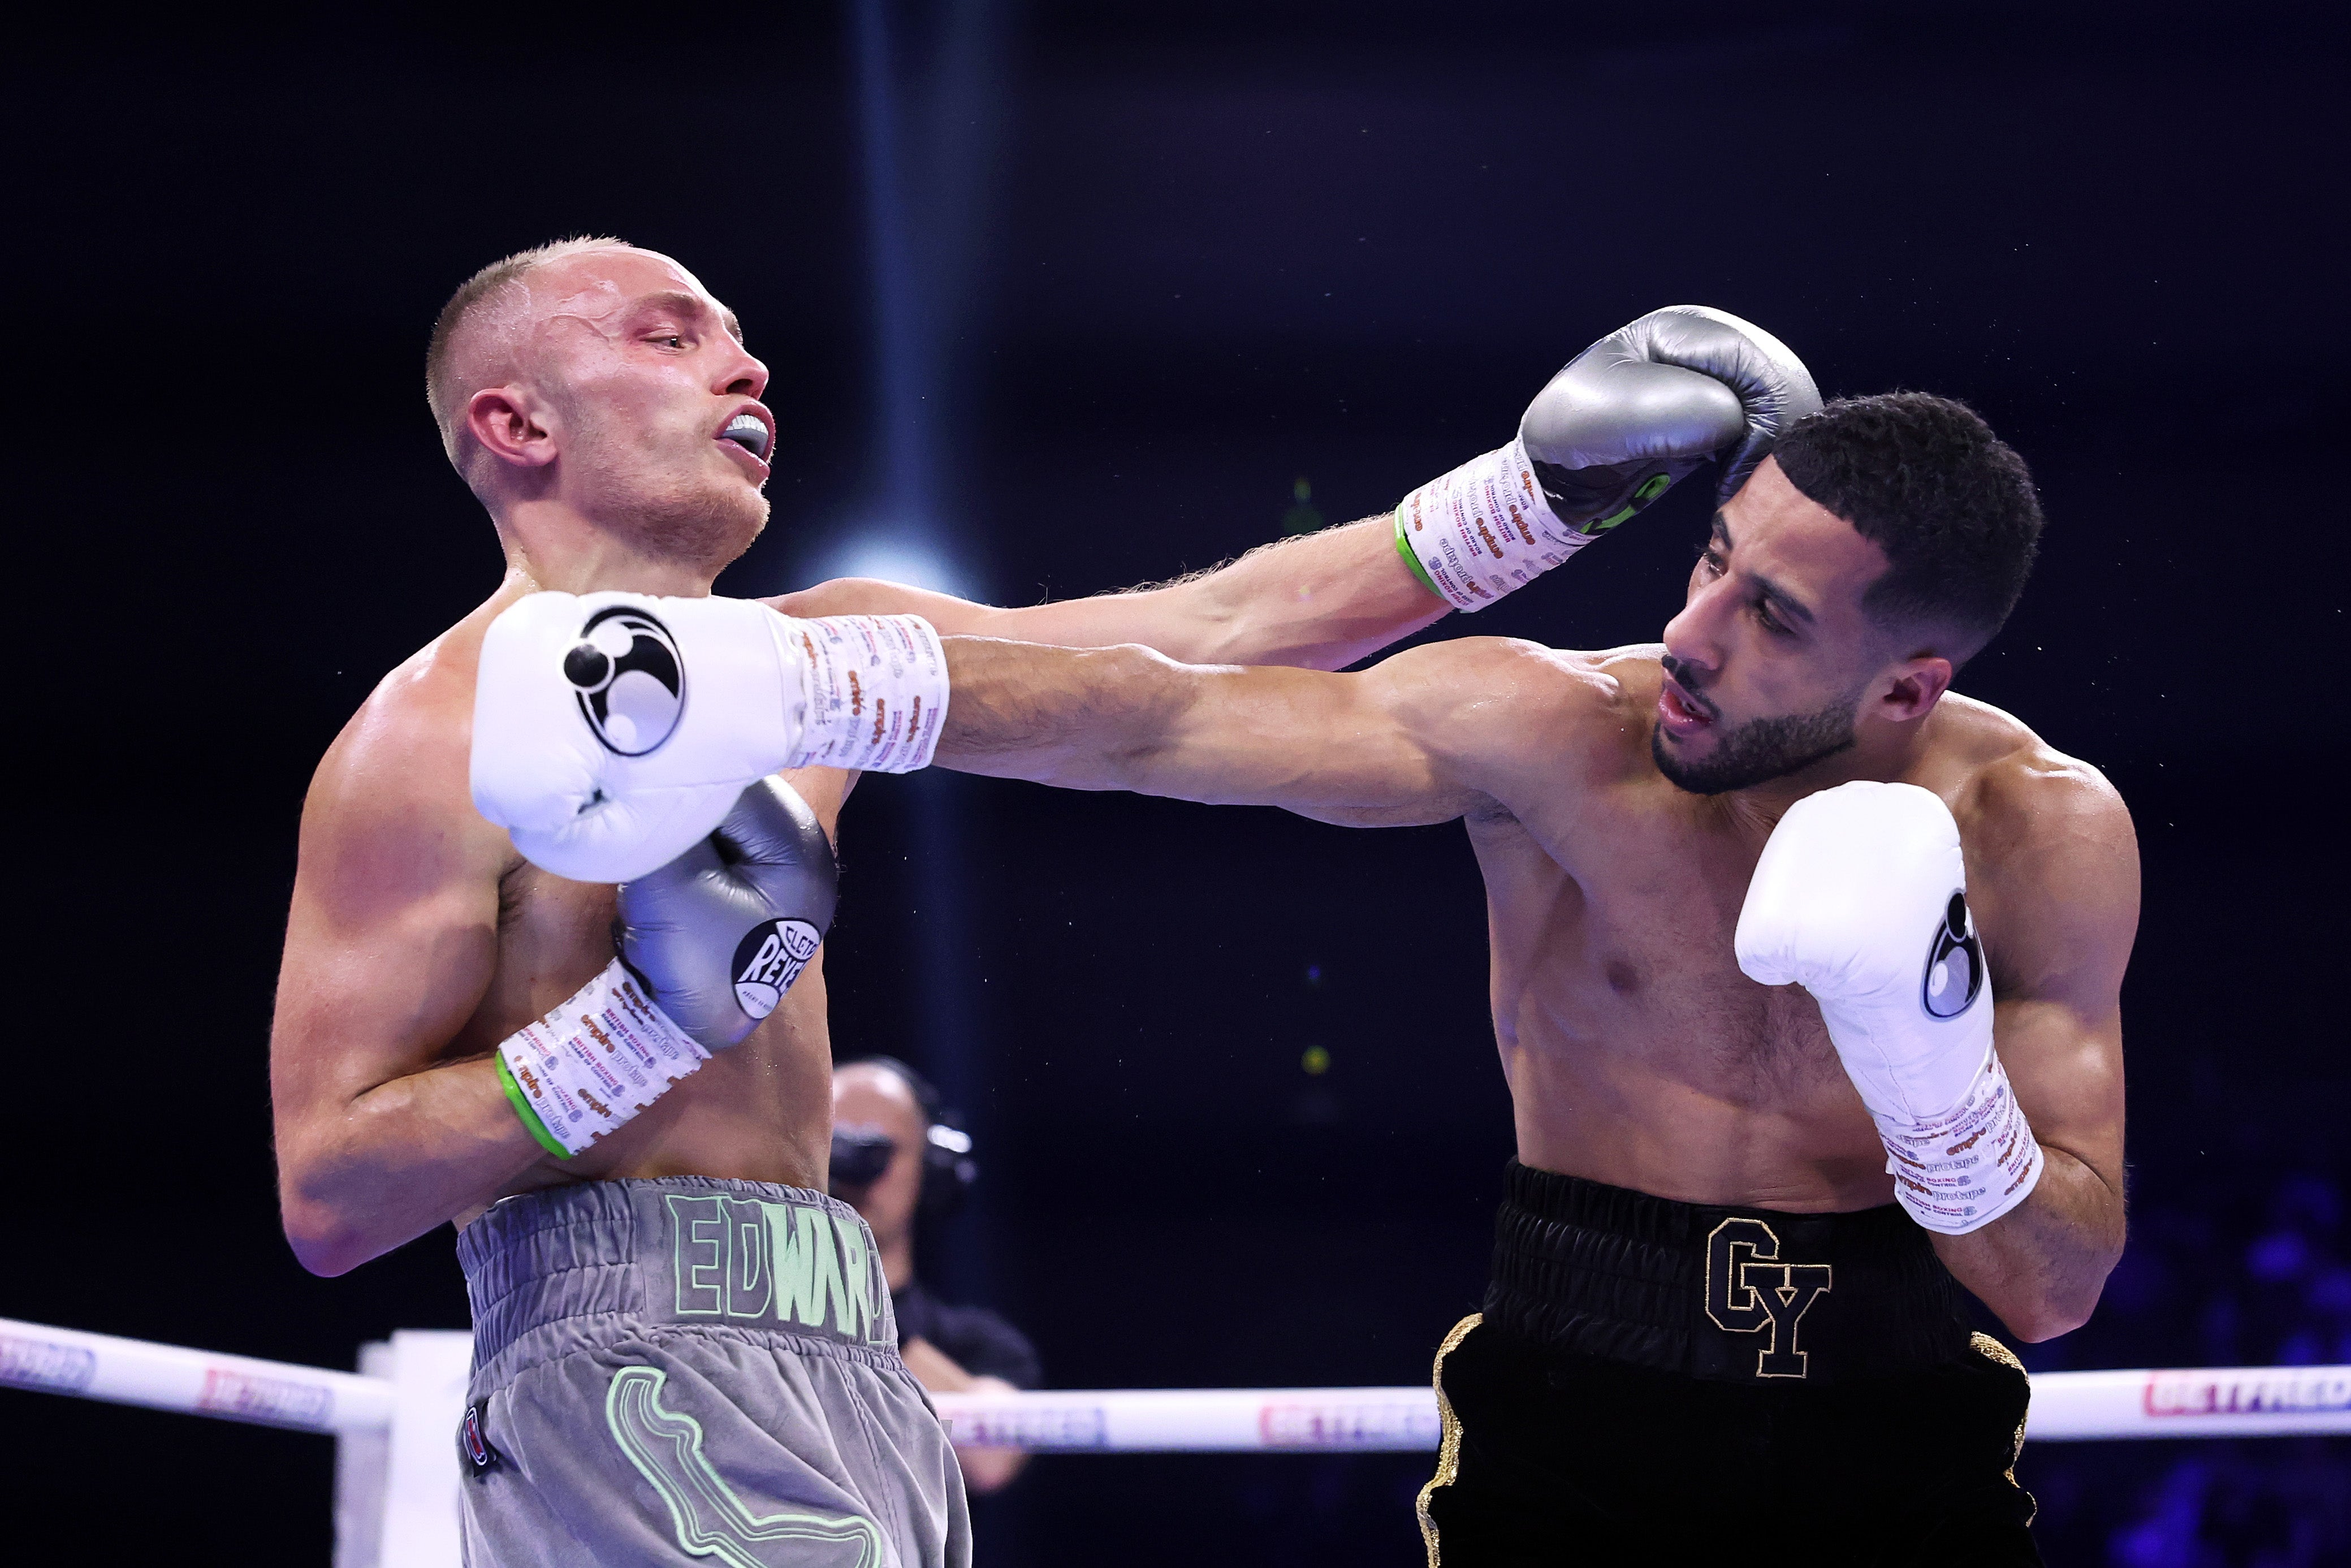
[[1448, 1448], [1991, 1349]]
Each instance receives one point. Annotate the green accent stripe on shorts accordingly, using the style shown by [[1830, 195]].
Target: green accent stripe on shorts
[[1404, 548], [521, 1104]]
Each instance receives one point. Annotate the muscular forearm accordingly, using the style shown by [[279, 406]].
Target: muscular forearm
[[396, 1161], [1320, 602], [2042, 1265], [1317, 602], [1083, 719]]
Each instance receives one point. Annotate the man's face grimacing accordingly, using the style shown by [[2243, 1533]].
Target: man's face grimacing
[[1772, 664], [644, 400]]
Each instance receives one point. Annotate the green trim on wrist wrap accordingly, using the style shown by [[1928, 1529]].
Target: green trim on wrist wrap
[[521, 1104], [1404, 548]]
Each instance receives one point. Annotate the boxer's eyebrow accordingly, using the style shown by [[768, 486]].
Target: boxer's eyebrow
[[1769, 590], [686, 303]]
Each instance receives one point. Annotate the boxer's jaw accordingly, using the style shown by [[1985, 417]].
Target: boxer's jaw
[[1756, 752]]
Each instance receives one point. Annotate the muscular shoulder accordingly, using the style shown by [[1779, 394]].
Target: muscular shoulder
[[1529, 718], [2008, 786], [1509, 694], [390, 800], [2049, 841]]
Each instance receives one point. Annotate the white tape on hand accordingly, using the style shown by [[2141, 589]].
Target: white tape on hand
[[1484, 529], [595, 1062], [877, 693]]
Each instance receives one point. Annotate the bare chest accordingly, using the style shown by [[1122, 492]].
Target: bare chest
[[1612, 957], [553, 936], [759, 1110]]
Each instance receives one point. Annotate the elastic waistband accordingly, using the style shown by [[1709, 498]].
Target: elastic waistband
[[616, 1257], [1727, 1294]]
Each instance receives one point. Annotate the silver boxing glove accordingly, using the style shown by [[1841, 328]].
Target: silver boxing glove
[[1631, 415], [719, 933], [1607, 435]]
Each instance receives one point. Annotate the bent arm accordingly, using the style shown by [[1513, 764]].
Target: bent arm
[[2041, 1266], [1407, 741], [1318, 602], [2068, 909], [390, 948]]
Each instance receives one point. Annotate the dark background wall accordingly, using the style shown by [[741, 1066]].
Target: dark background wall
[[1210, 250]]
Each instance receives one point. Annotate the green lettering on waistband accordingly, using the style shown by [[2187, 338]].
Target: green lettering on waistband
[[807, 1263], [699, 1259]]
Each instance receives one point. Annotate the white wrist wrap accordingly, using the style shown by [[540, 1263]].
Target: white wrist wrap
[[1959, 1171], [593, 1062], [876, 694], [1484, 529]]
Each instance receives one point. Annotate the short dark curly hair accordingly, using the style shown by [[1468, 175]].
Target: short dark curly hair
[[1924, 479]]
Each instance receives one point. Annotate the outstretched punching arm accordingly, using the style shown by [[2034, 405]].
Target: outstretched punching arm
[[1318, 602], [1419, 737], [1608, 434]]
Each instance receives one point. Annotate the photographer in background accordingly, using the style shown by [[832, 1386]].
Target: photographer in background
[[896, 1161]]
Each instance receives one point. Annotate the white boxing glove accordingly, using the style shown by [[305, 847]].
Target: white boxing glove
[[614, 731], [1860, 898]]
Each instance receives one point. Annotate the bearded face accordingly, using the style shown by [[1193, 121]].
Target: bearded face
[[1757, 750]]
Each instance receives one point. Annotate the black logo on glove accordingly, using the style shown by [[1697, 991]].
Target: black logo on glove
[[1955, 966], [768, 960], [629, 681]]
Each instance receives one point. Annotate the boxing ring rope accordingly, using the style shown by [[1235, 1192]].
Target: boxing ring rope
[[396, 1420], [2068, 1406]]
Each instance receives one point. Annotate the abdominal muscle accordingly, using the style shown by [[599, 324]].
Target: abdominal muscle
[[1640, 1057], [1608, 1116]]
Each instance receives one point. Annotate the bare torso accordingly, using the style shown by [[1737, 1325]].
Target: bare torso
[[419, 939], [1637, 1053], [760, 1111]]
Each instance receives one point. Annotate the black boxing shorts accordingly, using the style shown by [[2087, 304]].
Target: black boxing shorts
[[1663, 1382]]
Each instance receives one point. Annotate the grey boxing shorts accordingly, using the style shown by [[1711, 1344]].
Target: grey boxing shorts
[[688, 1370]]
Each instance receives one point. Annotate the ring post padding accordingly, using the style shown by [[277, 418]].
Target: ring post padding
[[2068, 1406]]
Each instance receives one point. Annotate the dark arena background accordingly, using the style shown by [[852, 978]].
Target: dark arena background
[[1060, 297]]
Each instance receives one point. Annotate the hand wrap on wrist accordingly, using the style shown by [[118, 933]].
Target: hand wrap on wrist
[[593, 1062], [1484, 529], [875, 688], [1960, 1171]]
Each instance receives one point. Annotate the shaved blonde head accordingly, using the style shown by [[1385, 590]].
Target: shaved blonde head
[[478, 337]]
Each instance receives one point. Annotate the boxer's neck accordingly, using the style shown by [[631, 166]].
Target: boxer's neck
[[555, 549]]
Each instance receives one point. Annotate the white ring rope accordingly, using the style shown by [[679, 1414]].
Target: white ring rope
[[2204, 1401]]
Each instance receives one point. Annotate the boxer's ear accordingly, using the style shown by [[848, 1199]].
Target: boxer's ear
[[1910, 689], [512, 425]]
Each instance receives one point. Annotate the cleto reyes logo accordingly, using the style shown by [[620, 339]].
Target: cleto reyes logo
[[768, 960]]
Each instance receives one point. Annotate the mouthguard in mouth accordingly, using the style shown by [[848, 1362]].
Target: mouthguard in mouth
[[748, 431]]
